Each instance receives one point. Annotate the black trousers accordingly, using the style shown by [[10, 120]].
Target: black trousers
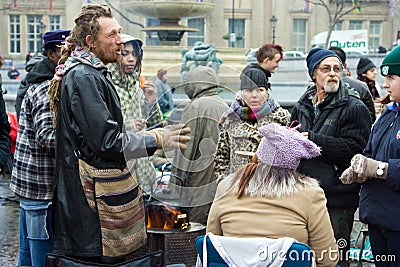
[[385, 246], [342, 223]]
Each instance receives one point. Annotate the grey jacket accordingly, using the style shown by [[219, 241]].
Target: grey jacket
[[195, 165]]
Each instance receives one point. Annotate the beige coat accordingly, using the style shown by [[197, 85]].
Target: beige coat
[[302, 215]]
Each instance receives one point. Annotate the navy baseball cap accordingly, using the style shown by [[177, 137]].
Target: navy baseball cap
[[56, 36]]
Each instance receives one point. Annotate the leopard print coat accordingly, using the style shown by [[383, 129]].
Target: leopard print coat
[[241, 135]]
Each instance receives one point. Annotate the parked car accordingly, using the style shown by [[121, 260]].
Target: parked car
[[293, 54], [251, 55], [252, 58], [355, 53]]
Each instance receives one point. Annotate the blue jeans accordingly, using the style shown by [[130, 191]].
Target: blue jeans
[[35, 232]]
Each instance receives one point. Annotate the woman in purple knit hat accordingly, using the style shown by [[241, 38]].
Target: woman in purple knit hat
[[269, 198]]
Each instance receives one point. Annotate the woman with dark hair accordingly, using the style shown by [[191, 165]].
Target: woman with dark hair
[[139, 106], [366, 72], [269, 198]]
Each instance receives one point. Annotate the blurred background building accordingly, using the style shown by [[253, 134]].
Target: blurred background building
[[291, 23], [234, 26]]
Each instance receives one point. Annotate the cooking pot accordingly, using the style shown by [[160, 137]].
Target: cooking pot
[[166, 208]]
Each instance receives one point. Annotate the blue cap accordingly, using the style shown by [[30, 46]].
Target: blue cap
[[56, 36], [316, 55]]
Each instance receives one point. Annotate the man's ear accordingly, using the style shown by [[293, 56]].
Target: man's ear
[[265, 61], [89, 41]]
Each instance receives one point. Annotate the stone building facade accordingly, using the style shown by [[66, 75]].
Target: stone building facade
[[23, 21]]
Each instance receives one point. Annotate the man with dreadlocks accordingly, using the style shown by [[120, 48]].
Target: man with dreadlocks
[[82, 93], [138, 102], [34, 164]]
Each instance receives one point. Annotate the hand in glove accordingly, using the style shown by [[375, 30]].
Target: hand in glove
[[349, 176], [171, 136], [363, 168]]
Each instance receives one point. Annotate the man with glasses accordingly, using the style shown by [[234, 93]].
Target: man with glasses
[[332, 116]]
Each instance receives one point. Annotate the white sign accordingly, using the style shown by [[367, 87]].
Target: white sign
[[348, 40]]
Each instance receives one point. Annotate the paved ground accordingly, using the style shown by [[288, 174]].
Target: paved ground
[[9, 214]]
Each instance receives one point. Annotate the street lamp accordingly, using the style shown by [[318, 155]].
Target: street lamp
[[273, 21], [39, 41], [42, 28], [232, 36]]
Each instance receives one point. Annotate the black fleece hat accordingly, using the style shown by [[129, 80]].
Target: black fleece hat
[[252, 78], [364, 64]]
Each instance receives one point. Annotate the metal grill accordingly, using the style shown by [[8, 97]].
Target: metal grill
[[177, 245]]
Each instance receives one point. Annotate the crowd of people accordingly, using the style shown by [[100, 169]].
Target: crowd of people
[[251, 169]]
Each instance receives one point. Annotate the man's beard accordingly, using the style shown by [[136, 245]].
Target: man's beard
[[331, 88], [107, 56]]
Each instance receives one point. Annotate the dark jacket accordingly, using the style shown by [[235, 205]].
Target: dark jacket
[[5, 140], [363, 91], [89, 99], [380, 199], [341, 129], [39, 69], [257, 66]]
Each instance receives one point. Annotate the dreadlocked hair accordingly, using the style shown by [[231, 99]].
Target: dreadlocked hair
[[55, 83], [86, 23]]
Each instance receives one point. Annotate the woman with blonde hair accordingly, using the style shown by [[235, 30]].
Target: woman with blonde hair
[[253, 107]]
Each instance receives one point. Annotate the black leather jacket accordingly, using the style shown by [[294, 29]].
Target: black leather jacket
[[89, 99]]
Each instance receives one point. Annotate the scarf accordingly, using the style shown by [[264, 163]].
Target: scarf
[[371, 86], [251, 114], [123, 80], [79, 55]]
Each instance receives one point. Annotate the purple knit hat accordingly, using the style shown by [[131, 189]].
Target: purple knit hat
[[284, 147]]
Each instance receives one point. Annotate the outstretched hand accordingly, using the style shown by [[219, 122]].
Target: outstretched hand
[[172, 136]]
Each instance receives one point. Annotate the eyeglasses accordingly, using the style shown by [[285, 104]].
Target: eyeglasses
[[326, 69]]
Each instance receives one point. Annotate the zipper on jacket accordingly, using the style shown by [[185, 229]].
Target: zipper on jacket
[[395, 117]]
